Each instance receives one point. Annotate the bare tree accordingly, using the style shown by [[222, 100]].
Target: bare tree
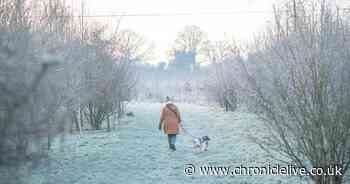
[[190, 39], [110, 75], [50, 76], [223, 57], [300, 80], [129, 48], [188, 45]]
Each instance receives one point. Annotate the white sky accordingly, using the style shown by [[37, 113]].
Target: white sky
[[162, 30]]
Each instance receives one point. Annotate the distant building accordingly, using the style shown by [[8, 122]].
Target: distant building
[[183, 61]]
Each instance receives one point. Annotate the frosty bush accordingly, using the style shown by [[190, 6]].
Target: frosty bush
[[55, 75], [299, 74], [223, 82]]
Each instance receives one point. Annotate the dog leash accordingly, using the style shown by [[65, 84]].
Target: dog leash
[[186, 132]]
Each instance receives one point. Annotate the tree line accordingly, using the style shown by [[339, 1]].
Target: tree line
[[58, 74]]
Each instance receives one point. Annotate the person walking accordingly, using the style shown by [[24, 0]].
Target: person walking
[[170, 120]]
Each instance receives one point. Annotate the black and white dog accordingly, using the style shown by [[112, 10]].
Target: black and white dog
[[201, 143]]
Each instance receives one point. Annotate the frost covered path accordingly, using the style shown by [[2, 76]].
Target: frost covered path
[[137, 153]]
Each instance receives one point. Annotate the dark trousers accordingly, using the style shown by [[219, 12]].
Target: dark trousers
[[171, 140]]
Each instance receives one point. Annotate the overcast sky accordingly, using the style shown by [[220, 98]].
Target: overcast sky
[[214, 17]]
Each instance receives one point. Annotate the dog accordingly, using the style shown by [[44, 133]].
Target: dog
[[201, 143]]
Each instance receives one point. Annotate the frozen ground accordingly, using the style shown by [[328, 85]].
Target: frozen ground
[[137, 152]]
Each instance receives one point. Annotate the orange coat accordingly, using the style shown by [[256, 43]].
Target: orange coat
[[169, 119]]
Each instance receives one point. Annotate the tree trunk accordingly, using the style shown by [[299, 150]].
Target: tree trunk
[[48, 135], [108, 124], [81, 124], [75, 121]]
